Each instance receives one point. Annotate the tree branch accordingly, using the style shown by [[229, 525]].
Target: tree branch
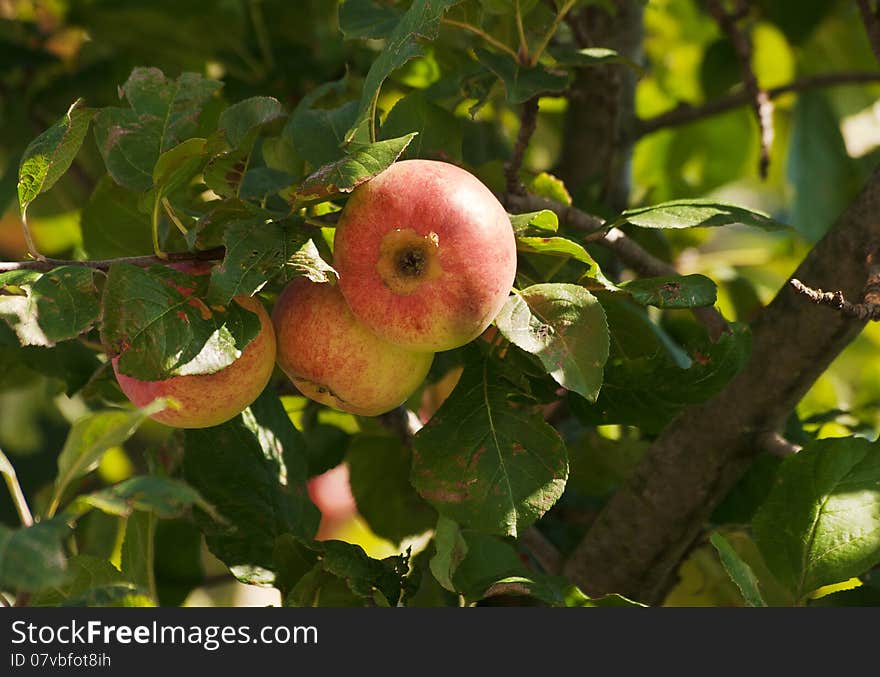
[[542, 550], [760, 100], [45, 265], [871, 19], [636, 544], [686, 114], [775, 444], [528, 122]]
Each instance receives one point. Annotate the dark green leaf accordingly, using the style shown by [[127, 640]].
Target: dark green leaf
[[565, 327], [421, 20], [677, 291], [522, 82], [164, 497], [439, 131], [360, 164], [256, 251], [253, 471], [32, 558], [112, 223], [318, 134], [50, 155], [367, 19], [163, 113], [91, 436], [137, 547], [379, 468], [695, 214], [821, 522], [487, 461], [85, 572], [114, 595], [58, 305], [739, 572], [591, 56], [158, 318], [242, 119]]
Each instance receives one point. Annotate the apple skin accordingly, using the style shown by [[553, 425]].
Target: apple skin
[[333, 358], [426, 255], [210, 399]]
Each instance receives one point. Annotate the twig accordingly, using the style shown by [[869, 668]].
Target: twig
[[871, 19], [497, 44], [645, 264], [523, 43], [543, 550], [686, 114], [592, 226], [760, 100], [835, 299], [44, 265], [560, 15], [528, 121], [775, 444]]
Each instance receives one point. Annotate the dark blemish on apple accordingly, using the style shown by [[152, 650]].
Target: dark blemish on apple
[[412, 262]]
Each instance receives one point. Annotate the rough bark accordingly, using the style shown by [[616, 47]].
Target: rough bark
[[635, 545], [601, 110]]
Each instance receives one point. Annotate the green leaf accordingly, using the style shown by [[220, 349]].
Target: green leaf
[[439, 131], [421, 20], [820, 170], [477, 566], [163, 113], [675, 291], [548, 186], [164, 497], [157, 322], [821, 522], [739, 572], [55, 306], [522, 82], [695, 214], [179, 165], [487, 461], [565, 327], [256, 251], [525, 225], [367, 19], [318, 134], [649, 379], [379, 469], [243, 119], [307, 261], [360, 164], [85, 572], [253, 471], [599, 465], [91, 436], [50, 155], [565, 248], [114, 595], [32, 558], [225, 172], [138, 548], [112, 223], [591, 56]]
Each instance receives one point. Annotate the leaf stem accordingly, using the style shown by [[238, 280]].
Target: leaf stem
[[169, 211], [523, 43], [29, 240], [150, 556], [18, 498], [497, 44], [157, 249], [552, 31]]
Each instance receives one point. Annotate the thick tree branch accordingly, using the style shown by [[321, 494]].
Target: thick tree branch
[[637, 542], [686, 114], [760, 100], [44, 265]]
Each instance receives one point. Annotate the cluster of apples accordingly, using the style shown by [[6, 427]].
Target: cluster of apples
[[426, 258]]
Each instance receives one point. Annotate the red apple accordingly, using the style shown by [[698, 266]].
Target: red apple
[[333, 358], [211, 399], [426, 255]]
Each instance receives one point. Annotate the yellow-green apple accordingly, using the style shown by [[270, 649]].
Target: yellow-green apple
[[426, 255], [210, 399], [333, 358]]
